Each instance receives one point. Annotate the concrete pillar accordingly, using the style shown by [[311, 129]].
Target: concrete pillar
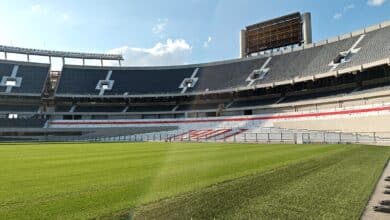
[[243, 43], [306, 28]]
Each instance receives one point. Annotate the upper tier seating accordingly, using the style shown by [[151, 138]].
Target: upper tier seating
[[148, 81], [83, 81], [374, 46], [305, 62], [80, 81], [5, 70], [225, 76], [368, 47], [30, 78]]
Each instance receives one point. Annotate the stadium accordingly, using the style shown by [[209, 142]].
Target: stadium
[[293, 129]]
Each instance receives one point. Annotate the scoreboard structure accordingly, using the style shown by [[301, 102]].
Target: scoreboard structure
[[287, 30]]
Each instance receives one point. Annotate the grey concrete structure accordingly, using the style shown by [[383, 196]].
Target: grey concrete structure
[[306, 26]]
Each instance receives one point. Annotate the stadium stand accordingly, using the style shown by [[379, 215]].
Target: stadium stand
[[373, 47], [287, 65], [8, 108], [196, 106], [346, 77], [305, 62], [83, 81], [33, 78], [63, 108], [206, 134], [22, 123], [22, 78], [150, 108], [80, 81], [99, 108], [260, 101], [5, 70], [148, 81], [298, 96], [226, 75]]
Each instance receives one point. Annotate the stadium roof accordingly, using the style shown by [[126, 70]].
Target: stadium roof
[[51, 53]]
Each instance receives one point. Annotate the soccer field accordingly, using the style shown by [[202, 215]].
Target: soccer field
[[184, 180]]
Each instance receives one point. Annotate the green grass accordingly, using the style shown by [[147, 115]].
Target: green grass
[[78, 181]]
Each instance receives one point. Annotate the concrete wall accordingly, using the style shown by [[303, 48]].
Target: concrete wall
[[375, 123]]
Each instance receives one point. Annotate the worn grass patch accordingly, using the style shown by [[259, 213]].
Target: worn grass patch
[[78, 181]]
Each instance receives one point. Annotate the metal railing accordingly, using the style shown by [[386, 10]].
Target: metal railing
[[266, 135], [305, 137]]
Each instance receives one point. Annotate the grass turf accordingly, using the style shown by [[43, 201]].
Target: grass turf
[[73, 181]]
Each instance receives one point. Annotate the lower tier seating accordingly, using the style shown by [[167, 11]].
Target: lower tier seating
[[22, 123]]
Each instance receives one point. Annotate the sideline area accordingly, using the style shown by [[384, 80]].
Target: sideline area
[[378, 196]]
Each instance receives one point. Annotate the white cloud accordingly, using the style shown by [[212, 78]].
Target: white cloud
[[160, 26], [207, 42], [347, 8], [65, 17], [171, 52], [36, 8], [376, 2], [39, 9], [46, 12], [337, 16]]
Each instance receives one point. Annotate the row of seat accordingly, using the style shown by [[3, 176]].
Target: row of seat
[[78, 80], [360, 49], [22, 123], [375, 82], [22, 78]]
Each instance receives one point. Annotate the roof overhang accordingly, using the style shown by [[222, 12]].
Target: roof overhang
[[52, 53]]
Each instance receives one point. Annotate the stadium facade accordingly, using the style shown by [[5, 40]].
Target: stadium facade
[[338, 86]]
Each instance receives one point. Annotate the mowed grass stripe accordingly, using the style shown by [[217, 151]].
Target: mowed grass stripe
[[131, 161], [335, 186], [88, 180]]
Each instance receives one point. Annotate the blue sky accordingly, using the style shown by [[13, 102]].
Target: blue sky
[[168, 31]]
